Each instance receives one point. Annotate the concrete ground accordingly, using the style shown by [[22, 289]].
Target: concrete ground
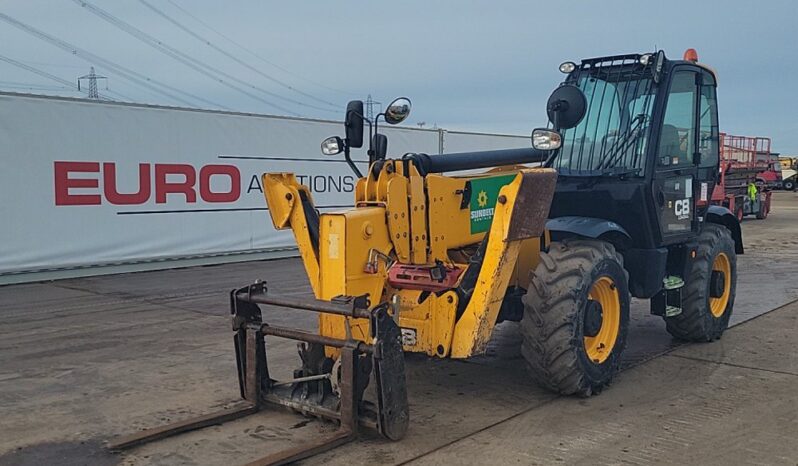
[[84, 360]]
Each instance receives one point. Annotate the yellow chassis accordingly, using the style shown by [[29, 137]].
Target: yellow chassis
[[415, 219]]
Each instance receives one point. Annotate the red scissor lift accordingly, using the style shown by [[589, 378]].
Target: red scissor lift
[[741, 159]]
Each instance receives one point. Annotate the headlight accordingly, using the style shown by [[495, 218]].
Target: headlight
[[645, 59], [332, 145], [546, 139], [567, 67]]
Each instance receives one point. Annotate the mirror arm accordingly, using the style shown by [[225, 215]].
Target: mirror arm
[[371, 142], [557, 108], [370, 151], [377, 123], [372, 154], [377, 119], [349, 160]]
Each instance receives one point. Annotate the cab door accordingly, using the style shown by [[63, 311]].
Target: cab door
[[676, 169], [708, 141]]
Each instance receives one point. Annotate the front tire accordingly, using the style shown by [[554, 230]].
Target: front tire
[[707, 304], [576, 317]]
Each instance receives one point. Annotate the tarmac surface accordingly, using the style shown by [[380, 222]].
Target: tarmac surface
[[84, 360]]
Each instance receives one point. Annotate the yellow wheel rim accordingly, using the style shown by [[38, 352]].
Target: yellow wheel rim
[[599, 347], [718, 305]]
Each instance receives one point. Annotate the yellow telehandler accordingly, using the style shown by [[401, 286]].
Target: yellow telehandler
[[611, 201]]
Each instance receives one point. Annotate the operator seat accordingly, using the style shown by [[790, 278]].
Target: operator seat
[[670, 143]]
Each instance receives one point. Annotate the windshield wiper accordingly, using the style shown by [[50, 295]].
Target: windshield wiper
[[606, 172], [622, 144], [620, 171]]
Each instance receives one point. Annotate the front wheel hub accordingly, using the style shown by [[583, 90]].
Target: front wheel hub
[[593, 318], [717, 283]]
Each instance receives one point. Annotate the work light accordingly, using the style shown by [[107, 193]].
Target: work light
[[546, 139], [567, 67]]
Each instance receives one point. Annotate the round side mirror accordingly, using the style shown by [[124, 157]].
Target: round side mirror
[[566, 106], [332, 145], [397, 111]]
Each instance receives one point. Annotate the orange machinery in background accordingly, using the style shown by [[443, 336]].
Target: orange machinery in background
[[739, 188]]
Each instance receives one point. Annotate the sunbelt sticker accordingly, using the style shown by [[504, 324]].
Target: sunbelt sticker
[[484, 193]]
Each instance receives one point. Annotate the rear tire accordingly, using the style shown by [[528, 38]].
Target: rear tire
[[704, 317], [564, 288]]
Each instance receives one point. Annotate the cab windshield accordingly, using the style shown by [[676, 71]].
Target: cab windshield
[[612, 137]]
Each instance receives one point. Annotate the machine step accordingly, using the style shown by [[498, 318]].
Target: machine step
[[672, 282]]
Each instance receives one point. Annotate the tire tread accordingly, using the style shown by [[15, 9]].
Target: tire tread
[[549, 326]]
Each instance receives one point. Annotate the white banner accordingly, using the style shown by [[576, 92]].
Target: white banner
[[91, 183], [458, 141]]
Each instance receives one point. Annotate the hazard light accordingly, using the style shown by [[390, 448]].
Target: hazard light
[[691, 55]]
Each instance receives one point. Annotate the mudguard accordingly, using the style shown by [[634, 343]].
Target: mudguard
[[723, 216], [588, 227]]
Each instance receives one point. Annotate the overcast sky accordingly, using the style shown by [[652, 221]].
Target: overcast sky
[[473, 65]]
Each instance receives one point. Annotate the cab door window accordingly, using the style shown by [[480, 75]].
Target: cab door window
[[708, 124], [677, 138]]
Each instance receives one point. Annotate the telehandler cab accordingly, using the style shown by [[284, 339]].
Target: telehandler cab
[[614, 206]]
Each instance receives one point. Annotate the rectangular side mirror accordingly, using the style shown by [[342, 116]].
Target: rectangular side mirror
[[354, 123]]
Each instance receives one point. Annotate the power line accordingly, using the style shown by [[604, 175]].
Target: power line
[[254, 54], [38, 87], [66, 46], [32, 85], [126, 73], [44, 74], [207, 42], [58, 65], [119, 95], [25, 64], [193, 63]]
